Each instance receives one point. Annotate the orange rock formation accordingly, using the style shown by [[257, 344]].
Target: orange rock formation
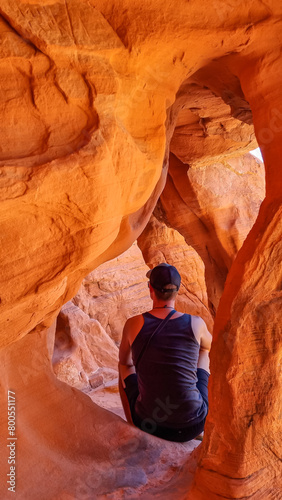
[[92, 94], [214, 206]]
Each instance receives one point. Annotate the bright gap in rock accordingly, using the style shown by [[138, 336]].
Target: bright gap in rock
[[257, 153]]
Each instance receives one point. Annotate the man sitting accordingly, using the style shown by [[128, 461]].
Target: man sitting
[[164, 364]]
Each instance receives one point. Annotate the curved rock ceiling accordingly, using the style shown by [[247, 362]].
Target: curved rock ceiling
[[99, 101]]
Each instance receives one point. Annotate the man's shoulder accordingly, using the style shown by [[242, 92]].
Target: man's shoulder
[[132, 327], [134, 319], [200, 330], [198, 321]]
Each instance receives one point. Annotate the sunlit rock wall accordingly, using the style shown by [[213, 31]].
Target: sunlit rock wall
[[214, 207]]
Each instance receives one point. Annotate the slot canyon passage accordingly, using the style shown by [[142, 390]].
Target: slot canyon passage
[[132, 121]]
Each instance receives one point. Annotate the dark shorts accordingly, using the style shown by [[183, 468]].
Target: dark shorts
[[178, 435]]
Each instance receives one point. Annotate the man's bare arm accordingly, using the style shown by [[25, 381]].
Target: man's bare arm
[[201, 333], [125, 364], [204, 338], [125, 357], [131, 329]]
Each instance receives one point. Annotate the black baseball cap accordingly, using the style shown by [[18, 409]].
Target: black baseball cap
[[163, 275]]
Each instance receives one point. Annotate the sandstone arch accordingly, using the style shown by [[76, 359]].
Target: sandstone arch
[[114, 71]]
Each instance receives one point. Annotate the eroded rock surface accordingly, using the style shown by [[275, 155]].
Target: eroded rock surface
[[214, 207], [205, 130], [82, 349], [93, 452]]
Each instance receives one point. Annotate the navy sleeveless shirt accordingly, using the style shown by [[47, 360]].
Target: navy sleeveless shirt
[[167, 373]]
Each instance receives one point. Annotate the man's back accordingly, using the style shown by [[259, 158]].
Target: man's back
[[167, 374], [168, 395]]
